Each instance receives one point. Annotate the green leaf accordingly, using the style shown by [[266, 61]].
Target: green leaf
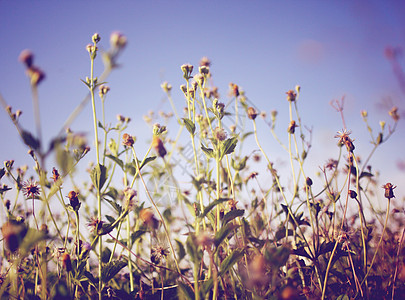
[[91, 278], [228, 146], [276, 256], [98, 176], [230, 260], [2, 172], [212, 205], [232, 215], [208, 151], [136, 235], [181, 252], [365, 174], [147, 160], [100, 125], [342, 297], [111, 269], [185, 292], [281, 232], [223, 233], [116, 160], [29, 140], [192, 249], [190, 126]]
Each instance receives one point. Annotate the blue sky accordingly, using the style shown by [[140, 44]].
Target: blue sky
[[330, 48]]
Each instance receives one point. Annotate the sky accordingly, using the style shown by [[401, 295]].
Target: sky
[[332, 49]]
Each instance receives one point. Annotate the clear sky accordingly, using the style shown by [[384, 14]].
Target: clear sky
[[330, 48]]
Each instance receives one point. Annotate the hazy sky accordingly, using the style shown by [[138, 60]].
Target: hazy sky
[[330, 48]]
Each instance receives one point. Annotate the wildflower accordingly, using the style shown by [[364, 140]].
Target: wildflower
[[103, 90], [91, 49], [205, 62], [331, 164], [364, 113], [74, 200], [389, 190], [36, 75], [344, 139], [187, 70], [291, 127], [166, 87], [157, 144], [252, 113], [118, 40], [204, 70], [291, 95], [66, 262], [157, 254], [394, 113], [31, 189], [95, 224], [234, 89], [220, 134], [127, 140], [26, 57]]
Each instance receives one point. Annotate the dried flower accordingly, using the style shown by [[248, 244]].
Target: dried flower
[[31, 189], [291, 96], [157, 144], [127, 140], [394, 113], [74, 200], [389, 190], [344, 139], [157, 253], [352, 194], [234, 89], [252, 113], [291, 127], [55, 175]]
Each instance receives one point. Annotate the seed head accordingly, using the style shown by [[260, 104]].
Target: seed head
[[158, 253], [389, 190], [127, 140], [31, 189], [352, 194]]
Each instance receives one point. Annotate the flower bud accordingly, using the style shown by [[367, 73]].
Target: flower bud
[[118, 40], [252, 113], [291, 127], [95, 38], [389, 190], [74, 200], [166, 87], [66, 262], [157, 144], [103, 90], [291, 95]]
